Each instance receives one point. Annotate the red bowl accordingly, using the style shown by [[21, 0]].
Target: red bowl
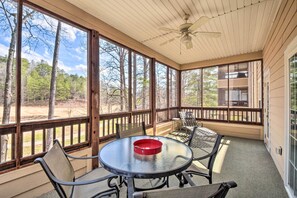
[[147, 146]]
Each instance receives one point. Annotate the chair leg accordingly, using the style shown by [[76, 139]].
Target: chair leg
[[167, 182], [210, 180], [181, 179], [121, 181]]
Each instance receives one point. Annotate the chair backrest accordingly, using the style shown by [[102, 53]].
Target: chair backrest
[[205, 142], [56, 163], [219, 190], [130, 129], [188, 118]]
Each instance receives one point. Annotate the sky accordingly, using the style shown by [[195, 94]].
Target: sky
[[73, 48]]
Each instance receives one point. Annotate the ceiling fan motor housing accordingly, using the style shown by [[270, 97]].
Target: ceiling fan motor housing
[[184, 27]]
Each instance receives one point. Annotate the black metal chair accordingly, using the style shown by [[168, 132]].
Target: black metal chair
[[135, 129], [60, 172], [205, 145], [218, 190]]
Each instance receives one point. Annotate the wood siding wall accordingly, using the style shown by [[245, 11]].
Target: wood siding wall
[[283, 31], [31, 181]]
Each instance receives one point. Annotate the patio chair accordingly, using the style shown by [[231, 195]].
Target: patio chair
[[205, 145], [188, 121], [218, 190], [60, 172], [135, 129], [130, 129]]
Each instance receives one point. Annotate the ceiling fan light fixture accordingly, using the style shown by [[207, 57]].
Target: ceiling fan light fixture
[[186, 39]]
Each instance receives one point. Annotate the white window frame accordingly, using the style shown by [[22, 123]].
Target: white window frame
[[289, 52]]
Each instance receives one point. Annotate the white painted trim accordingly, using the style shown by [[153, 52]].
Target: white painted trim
[[289, 52], [267, 80]]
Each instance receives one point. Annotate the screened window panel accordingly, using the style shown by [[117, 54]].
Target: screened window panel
[[191, 88], [141, 67], [113, 77], [293, 122], [172, 87], [47, 47], [161, 86], [210, 87], [7, 63]]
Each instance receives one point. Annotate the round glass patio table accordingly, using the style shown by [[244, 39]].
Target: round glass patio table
[[119, 157]]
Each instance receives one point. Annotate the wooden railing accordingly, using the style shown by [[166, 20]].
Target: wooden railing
[[166, 114], [108, 121], [71, 132], [10, 131], [230, 115]]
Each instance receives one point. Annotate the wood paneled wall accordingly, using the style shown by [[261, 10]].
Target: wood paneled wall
[[31, 181], [283, 31]]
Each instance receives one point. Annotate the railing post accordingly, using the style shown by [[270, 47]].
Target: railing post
[[94, 94]]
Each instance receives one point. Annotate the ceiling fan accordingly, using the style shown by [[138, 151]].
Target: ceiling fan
[[187, 30]]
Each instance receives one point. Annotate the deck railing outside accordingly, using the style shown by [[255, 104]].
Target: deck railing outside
[[230, 115], [73, 132]]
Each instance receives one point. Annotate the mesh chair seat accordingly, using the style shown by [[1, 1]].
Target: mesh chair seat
[[91, 189]]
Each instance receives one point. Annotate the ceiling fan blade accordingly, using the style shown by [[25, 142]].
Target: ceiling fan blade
[[168, 29], [169, 41], [202, 20], [189, 44], [208, 34]]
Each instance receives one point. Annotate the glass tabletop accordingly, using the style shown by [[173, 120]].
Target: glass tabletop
[[119, 157]]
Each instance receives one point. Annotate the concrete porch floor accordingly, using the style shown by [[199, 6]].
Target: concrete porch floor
[[247, 162]]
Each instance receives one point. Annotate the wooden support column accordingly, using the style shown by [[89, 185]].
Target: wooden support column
[[94, 94], [179, 90], [18, 84], [167, 92], [262, 93], [202, 111], [153, 94], [130, 85]]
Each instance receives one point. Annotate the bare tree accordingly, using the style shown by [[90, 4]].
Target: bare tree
[[8, 21], [51, 112], [113, 85], [144, 82], [134, 81]]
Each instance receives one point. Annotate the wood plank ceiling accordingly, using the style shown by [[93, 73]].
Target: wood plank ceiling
[[244, 24]]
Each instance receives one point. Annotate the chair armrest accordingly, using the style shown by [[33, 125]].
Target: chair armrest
[[186, 141], [203, 157], [231, 184], [187, 177], [86, 182], [81, 158]]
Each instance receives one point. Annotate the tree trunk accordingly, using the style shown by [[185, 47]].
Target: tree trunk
[[134, 82], [52, 99], [8, 93], [122, 79], [144, 90]]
